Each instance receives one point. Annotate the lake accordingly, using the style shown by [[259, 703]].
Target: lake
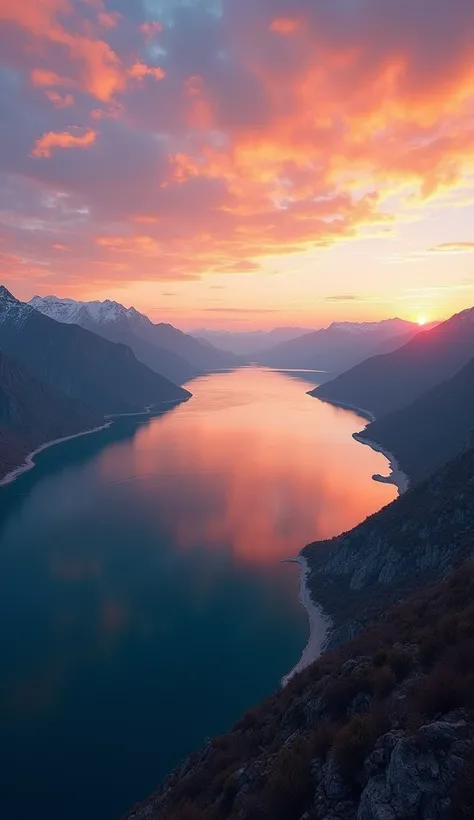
[[143, 602]]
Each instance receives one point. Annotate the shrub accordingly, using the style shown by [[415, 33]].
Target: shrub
[[356, 740], [385, 681], [289, 787], [400, 661]]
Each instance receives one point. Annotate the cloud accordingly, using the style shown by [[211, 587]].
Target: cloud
[[453, 247], [65, 139], [343, 297], [225, 135], [285, 25]]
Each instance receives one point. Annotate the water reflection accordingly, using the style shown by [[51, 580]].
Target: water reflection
[[254, 463], [143, 603]]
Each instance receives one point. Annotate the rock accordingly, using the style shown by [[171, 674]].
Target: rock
[[442, 733], [409, 780], [334, 785], [375, 802]]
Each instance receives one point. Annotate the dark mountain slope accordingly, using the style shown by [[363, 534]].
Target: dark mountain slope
[[105, 376], [340, 346], [31, 415], [201, 354], [117, 324], [385, 384], [432, 430]]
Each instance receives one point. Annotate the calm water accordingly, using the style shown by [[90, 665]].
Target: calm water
[[143, 605]]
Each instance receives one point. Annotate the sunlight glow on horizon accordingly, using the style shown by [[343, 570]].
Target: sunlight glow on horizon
[[286, 170]]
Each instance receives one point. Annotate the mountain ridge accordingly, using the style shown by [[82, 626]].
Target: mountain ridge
[[162, 347], [386, 383], [105, 376], [340, 346]]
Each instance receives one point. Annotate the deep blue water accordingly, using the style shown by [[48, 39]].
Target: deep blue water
[[143, 602]]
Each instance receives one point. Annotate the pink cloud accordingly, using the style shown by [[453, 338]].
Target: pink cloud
[[74, 138]]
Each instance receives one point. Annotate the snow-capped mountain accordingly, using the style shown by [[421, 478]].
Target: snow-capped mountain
[[102, 377], [71, 312], [162, 347]]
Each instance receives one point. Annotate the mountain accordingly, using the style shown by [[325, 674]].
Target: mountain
[[385, 384], [104, 376], [246, 343], [161, 347], [432, 430], [31, 414], [382, 727], [117, 324], [340, 346]]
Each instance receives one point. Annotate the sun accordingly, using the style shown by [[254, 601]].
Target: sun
[[422, 320]]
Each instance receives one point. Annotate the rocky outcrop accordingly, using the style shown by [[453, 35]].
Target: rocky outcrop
[[413, 777]]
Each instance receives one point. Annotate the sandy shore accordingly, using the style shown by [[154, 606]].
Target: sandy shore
[[397, 476], [29, 461], [319, 623]]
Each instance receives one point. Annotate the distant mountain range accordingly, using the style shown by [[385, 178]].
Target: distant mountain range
[[421, 395], [340, 346], [249, 343], [385, 384], [103, 375], [166, 350]]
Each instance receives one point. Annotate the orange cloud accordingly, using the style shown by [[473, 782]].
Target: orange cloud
[[146, 245], [139, 71], [41, 77], [285, 25], [63, 139]]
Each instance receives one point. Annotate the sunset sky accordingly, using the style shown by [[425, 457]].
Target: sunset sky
[[240, 163]]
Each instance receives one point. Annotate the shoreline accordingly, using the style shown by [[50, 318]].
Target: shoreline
[[319, 622], [316, 615], [364, 414], [29, 462], [396, 477]]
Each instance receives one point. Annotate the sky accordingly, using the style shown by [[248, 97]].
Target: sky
[[240, 163]]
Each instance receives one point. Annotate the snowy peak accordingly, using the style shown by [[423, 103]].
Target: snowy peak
[[11, 309], [69, 311], [7, 297]]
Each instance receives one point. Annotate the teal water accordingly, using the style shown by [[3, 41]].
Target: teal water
[[143, 602]]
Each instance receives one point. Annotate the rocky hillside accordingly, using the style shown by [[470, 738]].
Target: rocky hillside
[[104, 376], [31, 414], [416, 540], [385, 384], [432, 430], [381, 729]]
